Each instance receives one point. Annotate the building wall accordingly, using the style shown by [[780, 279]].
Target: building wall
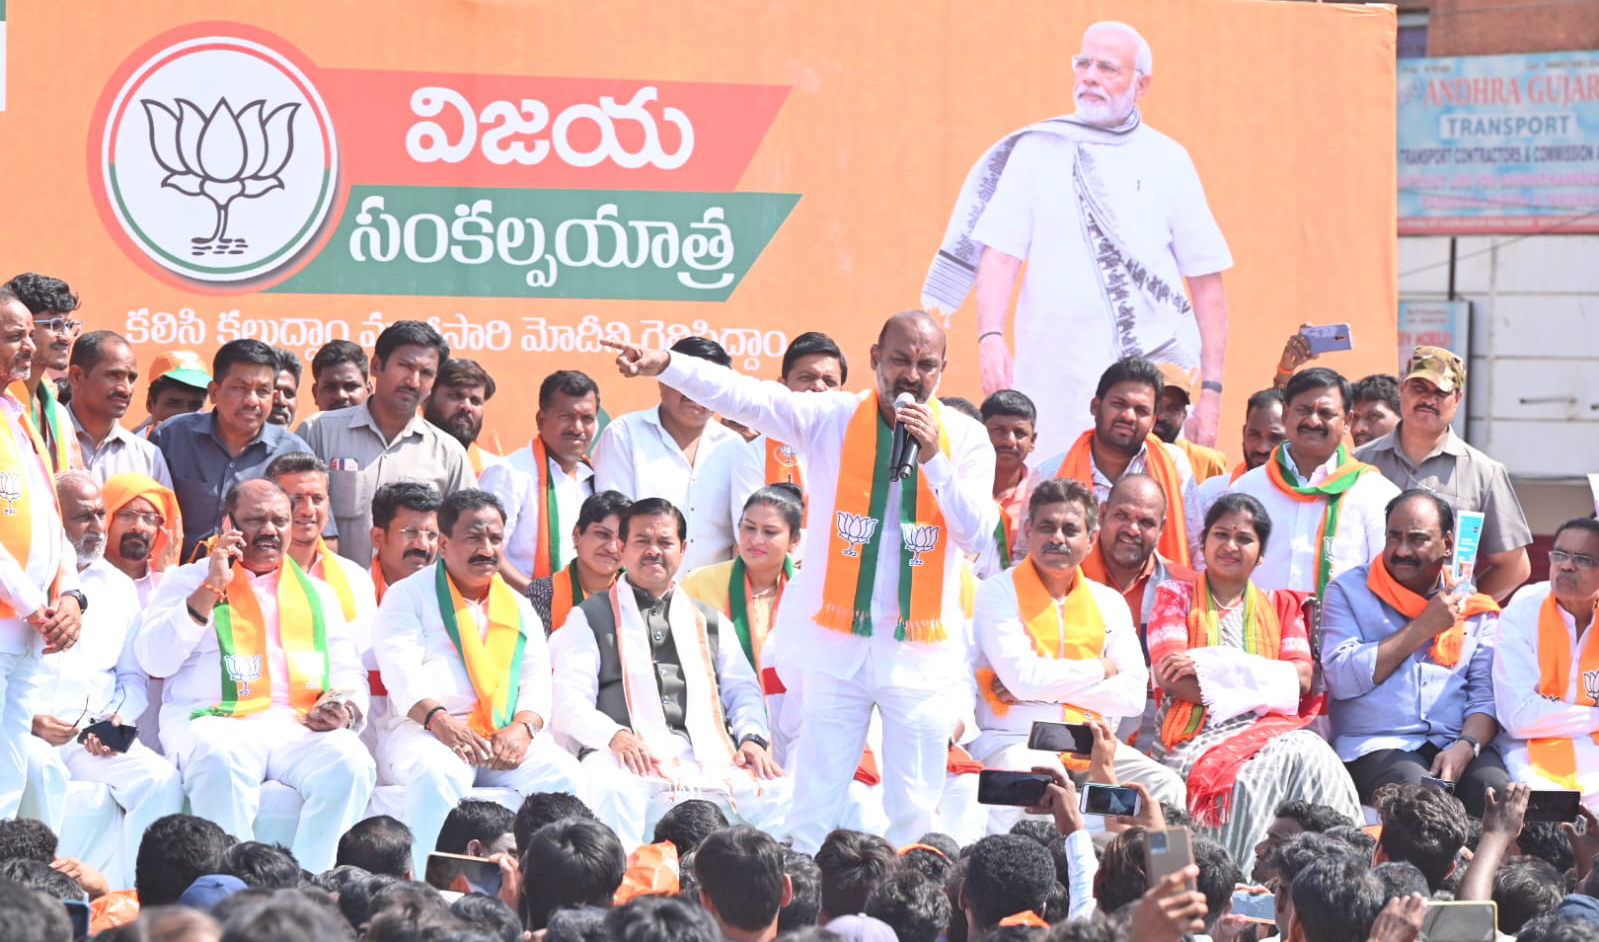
[[1487, 27]]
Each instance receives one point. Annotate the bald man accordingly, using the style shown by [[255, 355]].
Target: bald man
[[873, 619]]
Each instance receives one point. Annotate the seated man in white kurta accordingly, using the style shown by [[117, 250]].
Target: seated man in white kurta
[[1546, 670], [656, 685], [97, 678], [262, 681], [468, 674], [1054, 645]]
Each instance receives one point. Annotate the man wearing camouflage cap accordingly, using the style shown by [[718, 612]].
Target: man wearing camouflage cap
[[1424, 451]]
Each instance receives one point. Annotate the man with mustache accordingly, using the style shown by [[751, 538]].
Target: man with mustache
[[1424, 451], [1263, 431], [1125, 556], [596, 559], [1546, 670], [543, 484], [286, 388], [1120, 443], [469, 676], [405, 531], [209, 453], [1408, 658], [812, 363], [1011, 420], [102, 373], [1327, 509], [678, 452], [51, 302], [873, 620], [1106, 207], [656, 684], [142, 526], [384, 439], [94, 680], [40, 605], [456, 406], [262, 680], [339, 376]]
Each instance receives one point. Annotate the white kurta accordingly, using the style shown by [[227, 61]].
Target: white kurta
[[1524, 713], [1064, 335], [637, 456], [515, 482]]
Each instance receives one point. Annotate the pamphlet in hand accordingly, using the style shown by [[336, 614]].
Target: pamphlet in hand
[[1468, 532]]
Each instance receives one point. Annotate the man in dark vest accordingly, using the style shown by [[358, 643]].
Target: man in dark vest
[[653, 685]]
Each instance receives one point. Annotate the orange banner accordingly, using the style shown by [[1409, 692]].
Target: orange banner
[[535, 176]]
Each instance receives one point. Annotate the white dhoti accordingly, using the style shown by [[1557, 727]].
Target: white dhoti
[[142, 783], [19, 690], [436, 779], [224, 760], [1005, 749]]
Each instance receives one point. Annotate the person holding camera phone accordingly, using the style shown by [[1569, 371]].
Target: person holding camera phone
[[92, 690]]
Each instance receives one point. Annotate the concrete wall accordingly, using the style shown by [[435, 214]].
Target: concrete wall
[[1488, 27]]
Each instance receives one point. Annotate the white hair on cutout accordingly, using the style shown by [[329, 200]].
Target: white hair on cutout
[[1144, 59]]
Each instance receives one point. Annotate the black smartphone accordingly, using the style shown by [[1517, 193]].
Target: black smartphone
[[460, 874], [1442, 783], [116, 736], [1075, 738], [1021, 789], [1110, 801], [1550, 805]]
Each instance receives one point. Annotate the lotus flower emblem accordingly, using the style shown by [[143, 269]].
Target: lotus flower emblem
[[243, 670], [919, 539], [11, 490], [856, 530], [1590, 684], [222, 157]]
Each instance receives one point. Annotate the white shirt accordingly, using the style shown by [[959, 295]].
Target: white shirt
[[815, 424], [1292, 556], [1044, 683], [99, 673], [168, 643], [1523, 712], [514, 481], [120, 451], [419, 661], [147, 585], [638, 456], [577, 680], [1193, 514], [25, 584], [1064, 334]]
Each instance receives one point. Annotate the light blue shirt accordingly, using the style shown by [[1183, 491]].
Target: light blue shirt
[[1421, 701]]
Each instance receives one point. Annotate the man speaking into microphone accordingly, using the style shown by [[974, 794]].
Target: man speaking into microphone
[[873, 618]]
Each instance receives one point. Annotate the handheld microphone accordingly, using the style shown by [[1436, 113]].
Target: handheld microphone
[[902, 453]]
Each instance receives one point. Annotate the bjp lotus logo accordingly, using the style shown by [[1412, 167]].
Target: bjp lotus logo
[[856, 530], [11, 490], [919, 539], [1590, 685], [218, 158], [243, 670]]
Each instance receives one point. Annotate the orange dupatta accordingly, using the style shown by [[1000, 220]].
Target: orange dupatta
[[16, 491], [1158, 464], [782, 464], [1447, 645], [1556, 759]]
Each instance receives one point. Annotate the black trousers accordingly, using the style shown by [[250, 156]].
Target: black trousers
[[1376, 769]]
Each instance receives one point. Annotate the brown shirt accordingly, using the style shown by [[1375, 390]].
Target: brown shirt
[[1465, 477]]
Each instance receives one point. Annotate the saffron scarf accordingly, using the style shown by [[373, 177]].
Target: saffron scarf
[[738, 608], [1238, 471], [494, 661], [17, 497], [1262, 636], [547, 551], [857, 538], [566, 593], [50, 420], [782, 464], [1447, 645], [1158, 464], [1556, 759], [1343, 477], [242, 644], [333, 575], [379, 584]]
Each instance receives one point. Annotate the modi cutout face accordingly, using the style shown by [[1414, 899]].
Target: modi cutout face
[[1107, 81]]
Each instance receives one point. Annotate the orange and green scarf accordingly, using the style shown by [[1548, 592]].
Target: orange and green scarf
[[242, 643], [1342, 478], [857, 537], [50, 419], [494, 663], [1447, 645], [333, 575], [738, 607], [1556, 759], [566, 593], [1262, 635], [17, 497], [547, 551], [1158, 464]]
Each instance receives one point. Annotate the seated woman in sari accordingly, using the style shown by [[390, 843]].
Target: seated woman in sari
[[1233, 666]]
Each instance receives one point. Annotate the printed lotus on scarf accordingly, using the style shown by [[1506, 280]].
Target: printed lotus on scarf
[[242, 670], [221, 157], [11, 490], [919, 539], [856, 529]]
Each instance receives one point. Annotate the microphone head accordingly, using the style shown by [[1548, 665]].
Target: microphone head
[[903, 399]]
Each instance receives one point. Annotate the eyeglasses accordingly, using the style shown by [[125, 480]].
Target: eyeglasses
[[1581, 560], [57, 324], [134, 516], [417, 533], [115, 708], [1106, 67]]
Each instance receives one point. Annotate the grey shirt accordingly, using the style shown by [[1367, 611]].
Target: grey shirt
[[1465, 477], [360, 461], [203, 471], [120, 452]]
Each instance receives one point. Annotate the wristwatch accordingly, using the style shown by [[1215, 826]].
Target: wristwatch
[[1472, 741], [79, 597], [757, 740]]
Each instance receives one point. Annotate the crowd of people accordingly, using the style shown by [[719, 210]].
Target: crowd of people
[[731, 666]]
